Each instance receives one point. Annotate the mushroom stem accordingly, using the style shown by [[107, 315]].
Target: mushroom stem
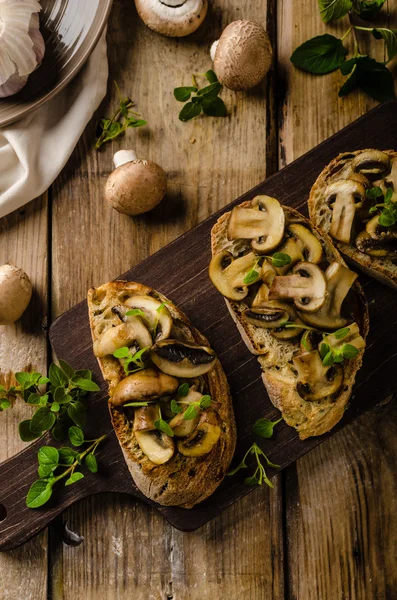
[[213, 50], [123, 156]]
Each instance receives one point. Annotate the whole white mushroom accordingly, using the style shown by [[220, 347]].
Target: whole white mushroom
[[174, 18], [135, 186], [15, 293]]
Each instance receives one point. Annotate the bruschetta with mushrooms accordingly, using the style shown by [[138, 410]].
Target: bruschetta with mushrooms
[[297, 306], [169, 399], [354, 200]]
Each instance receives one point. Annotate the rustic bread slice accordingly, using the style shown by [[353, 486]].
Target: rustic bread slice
[[182, 481], [275, 356], [383, 269]]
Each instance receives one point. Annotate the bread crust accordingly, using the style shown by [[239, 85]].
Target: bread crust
[[308, 418], [182, 481], [382, 269]]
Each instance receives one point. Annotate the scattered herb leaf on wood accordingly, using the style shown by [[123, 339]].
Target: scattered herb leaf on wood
[[200, 100], [259, 477], [265, 428], [326, 53], [124, 118], [63, 464]]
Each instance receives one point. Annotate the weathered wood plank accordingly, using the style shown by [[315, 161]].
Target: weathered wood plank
[[23, 241], [339, 498], [210, 162]]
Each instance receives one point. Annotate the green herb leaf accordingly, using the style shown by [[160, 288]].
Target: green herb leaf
[[39, 493], [305, 342], [189, 111], [210, 90], [387, 219], [78, 413], [121, 352], [45, 471], [251, 277], [76, 436], [87, 385], [390, 38], [324, 350], [211, 76], [264, 428], [47, 455], [214, 107], [4, 404], [205, 401], [253, 480], [25, 432], [329, 359], [374, 193], [191, 412], [67, 456], [136, 404], [280, 259], [368, 9], [42, 420], [388, 195], [349, 351], [341, 333], [182, 94], [331, 10], [320, 55], [91, 463], [183, 390], [162, 425], [55, 407], [135, 312], [66, 368], [175, 408], [24, 379], [57, 376], [370, 76], [74, 478], [43, 380]]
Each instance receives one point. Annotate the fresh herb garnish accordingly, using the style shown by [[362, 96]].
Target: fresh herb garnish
[[162, 425], [135, 312], [123, 119], [388, 214], [326, 53], [58, 407], [131, 361], [194, 408], [157, 319], [336, 355], [265, 428], [65, 463], [278, 259], [259, 475], [205, 100]]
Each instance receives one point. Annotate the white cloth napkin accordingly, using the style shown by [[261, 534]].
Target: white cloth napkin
[[34, 150]]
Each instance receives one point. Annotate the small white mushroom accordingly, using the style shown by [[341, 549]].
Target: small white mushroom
[[15, 293], [174, 18], [135, 186], [242, 56]]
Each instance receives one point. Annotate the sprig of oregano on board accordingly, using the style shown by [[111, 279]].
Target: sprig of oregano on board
[[326, 53], [59, 400], [62, 464], [123, 118], [198, 100], [259, 476], [388, 214]]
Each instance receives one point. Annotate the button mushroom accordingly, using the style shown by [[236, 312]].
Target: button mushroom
[[261, 296], [156, 315], [352, 337], [315, 381], [371, 162], [174, 18], [182, 359], [390, 180], [242, 56], [228, 273], [15, 293], [346, 196], [145, 417], [203, 438], [339, 280], [263, 224], [306, 286], [156, 445], [144, 385], [184, 427], [311, 246], [135, 186], [270, 316], [377, 247], [128, 334]]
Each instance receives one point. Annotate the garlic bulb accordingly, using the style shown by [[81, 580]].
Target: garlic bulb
[[21, 44]]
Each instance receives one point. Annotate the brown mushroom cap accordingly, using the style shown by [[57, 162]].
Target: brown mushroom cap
[[174, 18], [15, 293], [243, 55], [136, 187]]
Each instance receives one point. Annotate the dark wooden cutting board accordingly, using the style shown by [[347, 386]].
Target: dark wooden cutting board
[[180, 272]]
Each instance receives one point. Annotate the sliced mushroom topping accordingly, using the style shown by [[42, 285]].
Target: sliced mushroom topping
[[156, 315], [312, 249], [287, 333], [204, 437], [263, 224], [184, 427], [228, 273], [157, 445], [391, 180], [182, 359], [306, 286], [339, 280], [268, 272], [262, 295], [371, 162], [310, 340], [132, 332], [145, 417], [378, 232], [379, 248], [144, 385], [268, 317], [315, 381], [353, 337], [346, 195]]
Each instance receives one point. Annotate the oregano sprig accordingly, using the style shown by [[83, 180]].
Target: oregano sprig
[[265, 428], [388, 214], [278, 259], [326, 53], [63, 464], [132, 361], [259, 476], [201, 100]]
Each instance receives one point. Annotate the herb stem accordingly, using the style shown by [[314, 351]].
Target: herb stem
[[72, 467], [363, 28], [356, 46], [346, 34]]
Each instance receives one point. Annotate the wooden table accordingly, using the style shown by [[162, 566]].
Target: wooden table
[[328, 530]]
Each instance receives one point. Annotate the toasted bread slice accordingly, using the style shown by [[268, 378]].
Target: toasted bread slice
[[183, 480], [276, 356], [383, 269]]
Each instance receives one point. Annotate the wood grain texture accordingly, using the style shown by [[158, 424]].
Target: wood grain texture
[[206, 170], [23, 242], [339, 498]]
